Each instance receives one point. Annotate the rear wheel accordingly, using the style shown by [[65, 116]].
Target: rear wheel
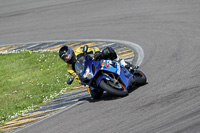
[[140, 78], [116, 88]]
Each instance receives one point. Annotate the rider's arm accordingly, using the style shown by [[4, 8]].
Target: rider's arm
[[95, 49], [71, 71]]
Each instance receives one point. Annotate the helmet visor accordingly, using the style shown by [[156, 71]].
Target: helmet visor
[[68, 55]]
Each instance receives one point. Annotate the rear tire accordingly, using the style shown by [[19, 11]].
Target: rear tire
[[141, 79], [114, 91]]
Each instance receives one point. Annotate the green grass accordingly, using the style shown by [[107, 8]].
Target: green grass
[[29, 79]]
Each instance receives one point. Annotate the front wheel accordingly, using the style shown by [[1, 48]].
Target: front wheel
[[96, 94], [114, 89]]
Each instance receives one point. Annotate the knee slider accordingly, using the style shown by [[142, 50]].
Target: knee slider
[[109, 53]]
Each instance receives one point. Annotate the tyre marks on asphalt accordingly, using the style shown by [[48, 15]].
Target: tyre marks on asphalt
[[70, 98]]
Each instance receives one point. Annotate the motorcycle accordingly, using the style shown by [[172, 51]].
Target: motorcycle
[[106, 75]]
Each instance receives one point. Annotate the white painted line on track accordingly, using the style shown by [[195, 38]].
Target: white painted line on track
[[135, 46], [78, 103]]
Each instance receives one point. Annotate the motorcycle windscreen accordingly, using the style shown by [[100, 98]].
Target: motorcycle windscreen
[[80, 65]]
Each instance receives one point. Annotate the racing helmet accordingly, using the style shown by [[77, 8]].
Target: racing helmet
[[67, 54]]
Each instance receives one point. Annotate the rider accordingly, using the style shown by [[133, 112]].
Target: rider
[[69, 56]]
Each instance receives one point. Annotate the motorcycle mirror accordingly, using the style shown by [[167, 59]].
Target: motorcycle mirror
[[85, 48]]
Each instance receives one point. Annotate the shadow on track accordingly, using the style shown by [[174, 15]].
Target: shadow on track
[[107, 97]]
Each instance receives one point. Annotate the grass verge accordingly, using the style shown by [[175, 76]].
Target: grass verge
[[29, 79]]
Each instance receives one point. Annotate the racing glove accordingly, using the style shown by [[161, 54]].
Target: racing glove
[[70, 80]]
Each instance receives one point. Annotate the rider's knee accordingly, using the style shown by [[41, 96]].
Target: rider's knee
[[109, 53]]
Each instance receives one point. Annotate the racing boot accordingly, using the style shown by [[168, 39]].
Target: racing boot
[[131, 68]]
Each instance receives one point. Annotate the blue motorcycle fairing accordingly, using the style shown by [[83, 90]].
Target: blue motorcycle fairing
[[106, 66], [111, 66], [101, 78], [89, 63], [116, 67]]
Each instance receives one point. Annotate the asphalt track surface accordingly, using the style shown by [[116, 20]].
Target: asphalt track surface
[[169, 33]]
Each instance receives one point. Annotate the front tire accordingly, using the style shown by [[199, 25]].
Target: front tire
[[96, 94], [112, 90]]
